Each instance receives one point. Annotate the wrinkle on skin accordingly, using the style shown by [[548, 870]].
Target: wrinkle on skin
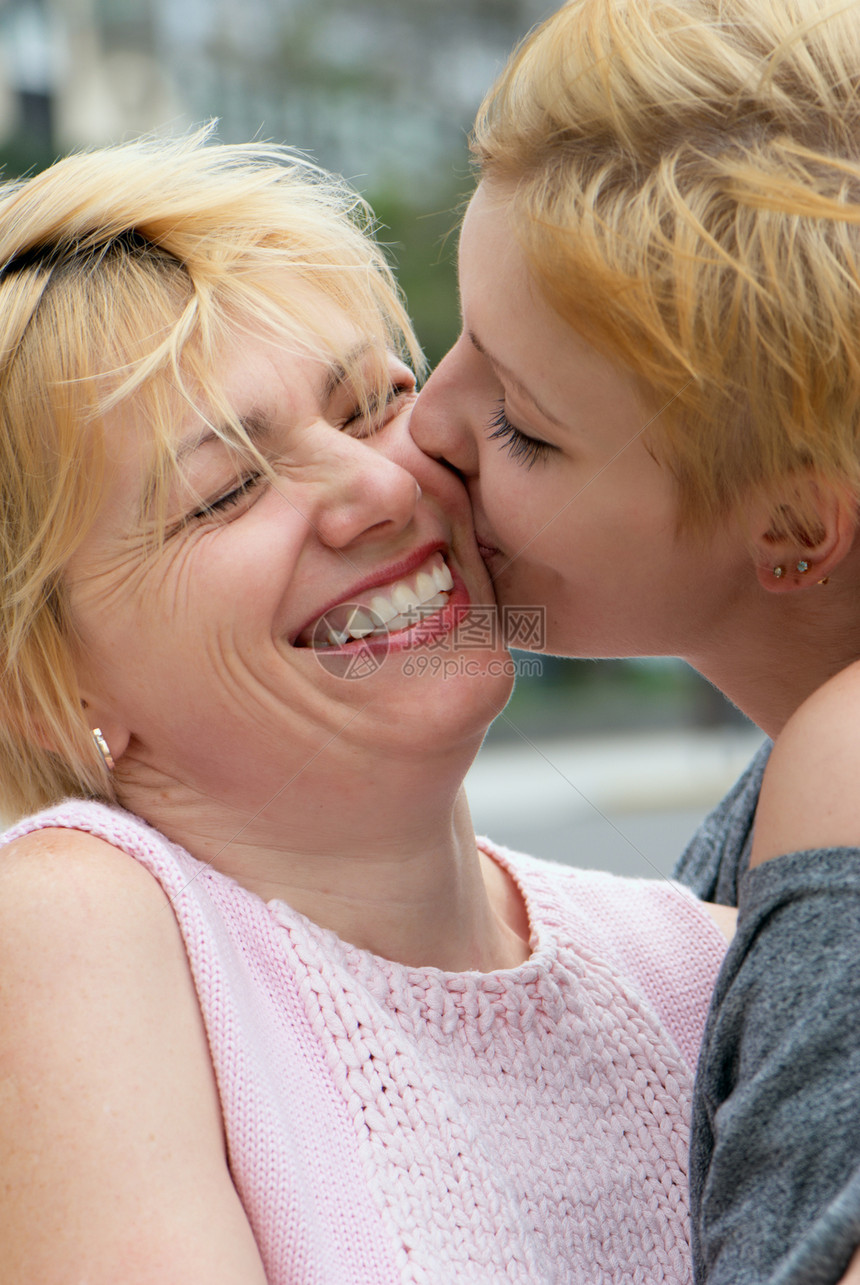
[[233, 741]]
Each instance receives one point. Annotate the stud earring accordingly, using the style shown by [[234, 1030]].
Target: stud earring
[[778, 572], [823, 580], [103, 748], [803, 566]]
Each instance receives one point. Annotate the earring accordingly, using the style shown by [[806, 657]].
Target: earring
[[103, 749], [803, 566], [823, 580], [778, 572]]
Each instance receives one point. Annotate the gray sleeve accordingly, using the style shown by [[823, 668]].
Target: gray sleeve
[[775, 1152], [718, 854]]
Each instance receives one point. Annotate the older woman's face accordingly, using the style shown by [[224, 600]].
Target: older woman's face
[[571, 508], [243, 641]]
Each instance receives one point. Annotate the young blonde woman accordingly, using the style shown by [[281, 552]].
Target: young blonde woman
[[268, 1012], [655, 405]]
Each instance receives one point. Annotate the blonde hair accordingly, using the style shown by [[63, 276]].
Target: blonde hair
[[121, 272], [684, 176]]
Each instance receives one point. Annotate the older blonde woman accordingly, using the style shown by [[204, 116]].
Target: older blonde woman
[[268, 1010], [655, 405]]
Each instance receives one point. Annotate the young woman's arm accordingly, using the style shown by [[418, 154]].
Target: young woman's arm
[[852, 1276], [810, 794], [112, 1159]]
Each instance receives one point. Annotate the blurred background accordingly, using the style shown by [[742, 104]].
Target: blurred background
[[607, 764]]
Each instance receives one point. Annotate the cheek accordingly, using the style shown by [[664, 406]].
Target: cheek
[[525, 506]]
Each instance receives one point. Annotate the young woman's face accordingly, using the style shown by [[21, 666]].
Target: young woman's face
[[572, 510], [225, 657]]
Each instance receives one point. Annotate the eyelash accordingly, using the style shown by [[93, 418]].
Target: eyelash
[[227, 500], [380, 404], [527, 450], [230, 498]]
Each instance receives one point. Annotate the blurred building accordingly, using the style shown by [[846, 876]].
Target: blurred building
[[380, 90]]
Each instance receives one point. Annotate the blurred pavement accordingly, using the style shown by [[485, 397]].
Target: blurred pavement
[[625, 803]]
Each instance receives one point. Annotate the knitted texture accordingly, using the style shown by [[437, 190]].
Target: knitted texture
[[392, 1124]]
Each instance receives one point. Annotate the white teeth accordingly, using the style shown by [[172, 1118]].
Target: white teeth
[[425, 586], [382, 608], [442, 577], [404, 598], [359, 624], [400, 622], [395, 609]]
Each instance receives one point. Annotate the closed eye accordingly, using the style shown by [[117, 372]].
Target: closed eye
[[380, 409], [229, 499], [526, 450]]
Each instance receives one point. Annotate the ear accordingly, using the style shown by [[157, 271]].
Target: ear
[[801, 535]]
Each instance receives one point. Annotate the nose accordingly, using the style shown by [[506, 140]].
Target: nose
[[365, 493], [445, 417]]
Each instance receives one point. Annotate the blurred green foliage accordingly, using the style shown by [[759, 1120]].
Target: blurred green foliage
[[422, 247], [604, 696], [23, 154]]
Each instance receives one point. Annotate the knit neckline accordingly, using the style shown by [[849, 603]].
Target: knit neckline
[[364, 963]]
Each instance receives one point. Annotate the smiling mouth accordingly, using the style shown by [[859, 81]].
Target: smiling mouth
[[402, 604]]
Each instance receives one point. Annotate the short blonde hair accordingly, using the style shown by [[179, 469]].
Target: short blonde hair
[[122, 270], [684, 176]]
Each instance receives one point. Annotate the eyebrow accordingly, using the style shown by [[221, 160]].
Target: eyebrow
[[513, 379], [338, 371], [257, 425]]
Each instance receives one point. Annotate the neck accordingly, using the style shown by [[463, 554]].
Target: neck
[[771, 659], [396, 871]]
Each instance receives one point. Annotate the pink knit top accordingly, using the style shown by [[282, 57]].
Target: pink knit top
[[388, 1124]]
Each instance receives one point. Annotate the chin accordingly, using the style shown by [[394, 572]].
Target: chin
[[454, 697]]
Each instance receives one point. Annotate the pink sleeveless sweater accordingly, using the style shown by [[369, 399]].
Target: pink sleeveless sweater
[[388, 1124]]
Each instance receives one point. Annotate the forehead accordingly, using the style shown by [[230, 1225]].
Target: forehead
[[278, 354], [253, 384], [486, 238], [254, 362], [502, 304], [541, 361]]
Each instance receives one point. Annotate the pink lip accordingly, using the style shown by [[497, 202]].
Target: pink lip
[[486, 549], [395, 571]]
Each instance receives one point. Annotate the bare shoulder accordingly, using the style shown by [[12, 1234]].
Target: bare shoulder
[[71, 863], [113, 1163], [809, 796], [725, 917], [75, 910], [71, 901]]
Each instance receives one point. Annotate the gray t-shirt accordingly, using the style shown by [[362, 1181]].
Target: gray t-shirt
[[775, 1149]]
